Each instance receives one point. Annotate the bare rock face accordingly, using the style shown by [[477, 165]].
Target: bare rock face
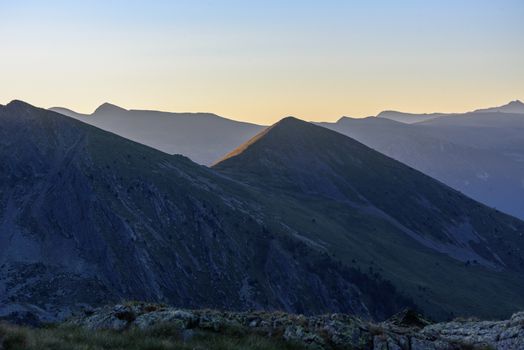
[[405, 331], [508, 334]]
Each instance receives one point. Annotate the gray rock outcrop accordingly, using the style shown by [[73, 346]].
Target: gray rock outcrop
[[405, 331]]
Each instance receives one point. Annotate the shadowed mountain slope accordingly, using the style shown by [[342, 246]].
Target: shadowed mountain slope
[[479, 154], [300, 219], [89, 218], [448, 252], [203, 137]]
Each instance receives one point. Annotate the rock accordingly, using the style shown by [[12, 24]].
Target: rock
[[151, 319], [409, 318], [298, 334], [508, 334], [124, 313]]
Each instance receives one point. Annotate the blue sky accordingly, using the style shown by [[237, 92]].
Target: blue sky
[[261, 60]]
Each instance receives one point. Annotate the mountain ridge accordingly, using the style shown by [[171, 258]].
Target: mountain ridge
[[89, 218], [304, 165], [107, 107], [478, 154], [304, 220], [203, 137], [515, 106]]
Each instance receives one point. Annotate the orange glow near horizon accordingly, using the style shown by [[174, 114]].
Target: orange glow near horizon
[[261, 61]]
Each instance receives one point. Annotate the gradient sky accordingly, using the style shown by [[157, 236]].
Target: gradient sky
[[261, 60]]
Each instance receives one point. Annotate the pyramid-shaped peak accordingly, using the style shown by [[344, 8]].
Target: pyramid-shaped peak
[[288, 135], [286, 128], [293, 122], [288, 121]]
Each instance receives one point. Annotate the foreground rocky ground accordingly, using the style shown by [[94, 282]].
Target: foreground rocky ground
[[405, 331], [149, 326]]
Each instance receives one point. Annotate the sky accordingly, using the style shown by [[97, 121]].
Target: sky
[[259, 61]]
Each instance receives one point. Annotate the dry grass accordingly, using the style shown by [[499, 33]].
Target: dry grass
[[166, 338]]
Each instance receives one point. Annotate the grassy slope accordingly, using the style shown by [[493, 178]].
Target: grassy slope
[[441, 286], [159, 338], [145, 159], [279, 165]]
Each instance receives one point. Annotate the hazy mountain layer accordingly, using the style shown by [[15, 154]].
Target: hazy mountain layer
[[513, 107], [479, 154], [516, 107], [203, 137]]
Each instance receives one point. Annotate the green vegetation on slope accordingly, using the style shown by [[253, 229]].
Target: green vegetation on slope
[[450, 254]]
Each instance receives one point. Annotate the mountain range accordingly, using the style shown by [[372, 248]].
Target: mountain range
[[299, 218], [203, 137], [478, 153], [515, 107], [88, 217]]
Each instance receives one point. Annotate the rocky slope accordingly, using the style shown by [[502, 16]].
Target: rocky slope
[[88, 218], [405, 331]]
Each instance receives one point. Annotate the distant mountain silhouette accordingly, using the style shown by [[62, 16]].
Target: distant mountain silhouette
[[513, 107], [479, 154], [408, 118], [203, 137], [108, 108]]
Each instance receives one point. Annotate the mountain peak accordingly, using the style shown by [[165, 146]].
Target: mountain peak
[[108, 108], [287, 124], [283, 126], [17, 103], [515, 106], [342, 119], [287, 135], [288, 121]]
